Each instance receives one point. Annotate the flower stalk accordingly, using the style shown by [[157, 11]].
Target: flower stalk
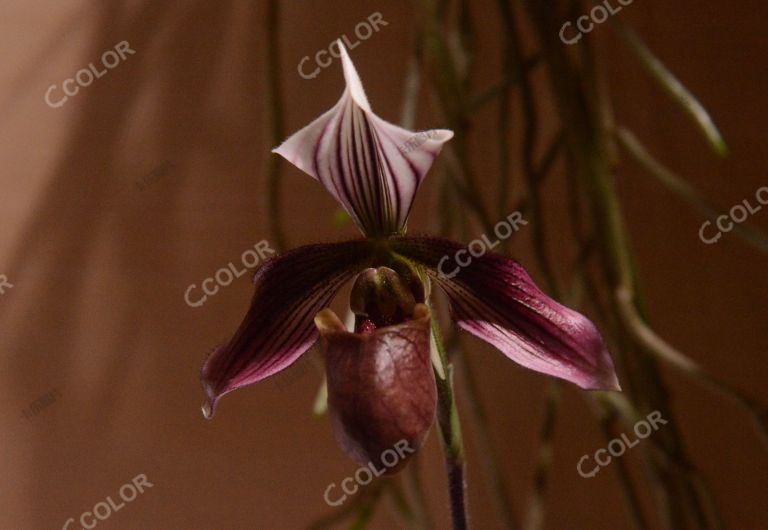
[[382, 387], [450, 435]]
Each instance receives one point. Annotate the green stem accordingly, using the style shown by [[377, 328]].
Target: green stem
[[672, 86], [586, 140], [450, 435], [683, 189], [630, 492]]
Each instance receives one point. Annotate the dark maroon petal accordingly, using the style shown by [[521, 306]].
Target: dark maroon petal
[[289, 290], [494, 299], [381, 388]]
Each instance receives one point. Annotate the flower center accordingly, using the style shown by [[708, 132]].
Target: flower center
[[382, 297]]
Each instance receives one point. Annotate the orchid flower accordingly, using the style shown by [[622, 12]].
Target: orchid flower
[[381, 385]]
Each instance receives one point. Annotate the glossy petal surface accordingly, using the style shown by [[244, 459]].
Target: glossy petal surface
[[494, 299], [289, 290], [381, 388]]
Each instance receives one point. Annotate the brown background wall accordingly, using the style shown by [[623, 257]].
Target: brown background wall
[[100, 265]]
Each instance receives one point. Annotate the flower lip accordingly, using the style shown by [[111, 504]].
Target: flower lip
[[381, 386], [359, 158]]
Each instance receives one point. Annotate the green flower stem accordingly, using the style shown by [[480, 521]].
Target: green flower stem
[[450, 435]]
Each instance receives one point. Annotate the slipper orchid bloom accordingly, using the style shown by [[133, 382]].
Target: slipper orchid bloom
[[381, 386]]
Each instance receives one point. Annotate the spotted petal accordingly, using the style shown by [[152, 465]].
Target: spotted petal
[[372, 167], [494, 299], [289, 290]]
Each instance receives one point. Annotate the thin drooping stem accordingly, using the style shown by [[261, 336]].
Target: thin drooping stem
[[451, 89], [534, 518], [672, 85], [411, 87], [450, 428], [663, 351], [580, 112], [450, 436], [673, 463], [508, 82], [683, 189], [630, 492]]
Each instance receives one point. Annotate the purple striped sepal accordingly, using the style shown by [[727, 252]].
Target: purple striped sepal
[[371, 167]]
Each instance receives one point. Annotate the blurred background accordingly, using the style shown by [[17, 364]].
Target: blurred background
[[152, 178]]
